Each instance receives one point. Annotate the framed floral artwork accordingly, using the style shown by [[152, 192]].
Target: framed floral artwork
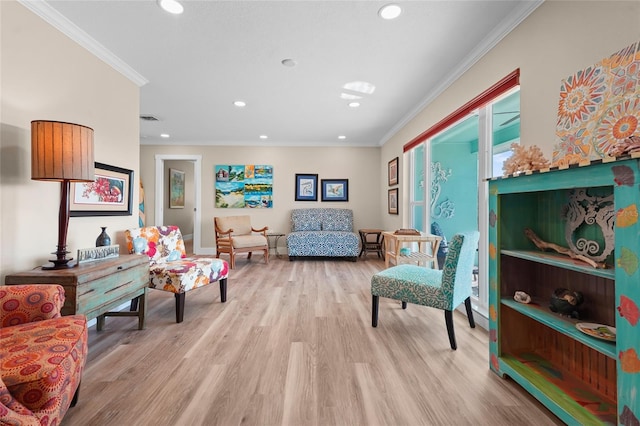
[[392, 201], [176, 189], [392, 172], [335, 189], [110, 194], [306, 187]]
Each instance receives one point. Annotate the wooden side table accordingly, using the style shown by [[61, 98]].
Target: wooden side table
[[393, 243], [371, 244], [94, 289]]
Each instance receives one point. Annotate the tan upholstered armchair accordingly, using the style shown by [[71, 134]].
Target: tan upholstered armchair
[[234, 234]]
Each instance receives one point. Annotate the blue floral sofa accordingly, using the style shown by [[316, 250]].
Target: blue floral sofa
[[322, 232]]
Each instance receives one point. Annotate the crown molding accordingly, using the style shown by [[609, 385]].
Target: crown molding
[[488, 43], [45, 11]]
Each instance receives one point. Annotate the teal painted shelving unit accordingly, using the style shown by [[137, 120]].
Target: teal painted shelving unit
[[580, 378]]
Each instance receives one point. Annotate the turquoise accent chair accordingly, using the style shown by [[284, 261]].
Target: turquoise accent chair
[[443, 289]]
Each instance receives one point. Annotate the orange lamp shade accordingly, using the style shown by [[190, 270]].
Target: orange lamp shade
[[61, 151]]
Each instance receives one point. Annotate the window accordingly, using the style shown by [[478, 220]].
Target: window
[[449, 165]]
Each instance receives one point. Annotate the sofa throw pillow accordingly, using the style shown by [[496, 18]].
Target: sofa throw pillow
[[337, 224], [307, 225]]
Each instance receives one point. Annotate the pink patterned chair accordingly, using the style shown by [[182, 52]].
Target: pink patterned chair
[[42, 355], [170, 269]]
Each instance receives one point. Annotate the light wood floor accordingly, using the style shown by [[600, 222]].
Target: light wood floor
[[293, 345]]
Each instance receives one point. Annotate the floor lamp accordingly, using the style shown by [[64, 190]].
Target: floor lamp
[[61, 152]]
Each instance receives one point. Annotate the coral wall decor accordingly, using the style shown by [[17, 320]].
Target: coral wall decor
[[599, 107]]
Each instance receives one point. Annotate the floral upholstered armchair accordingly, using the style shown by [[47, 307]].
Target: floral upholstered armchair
[[170, 268], [42, 355]]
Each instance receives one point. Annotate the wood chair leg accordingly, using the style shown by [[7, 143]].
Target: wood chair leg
[[375, 301], [467, 305], [266, 255], [232, 260], [249, 255], [180, 307], [223, 290], [404, 305], [76, 396], [448, 318]]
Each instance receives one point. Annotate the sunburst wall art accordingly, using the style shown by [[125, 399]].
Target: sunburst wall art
[[599, 107]]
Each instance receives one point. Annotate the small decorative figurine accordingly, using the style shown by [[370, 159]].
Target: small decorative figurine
[[522, 297], [565, 302]]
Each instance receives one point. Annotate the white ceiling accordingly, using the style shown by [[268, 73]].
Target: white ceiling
[[192, 67]]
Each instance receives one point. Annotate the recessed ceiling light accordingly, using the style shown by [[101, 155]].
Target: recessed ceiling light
[[360, 87], [164, 135], [354, 104], [289, 62], [342, 137], [349, 96], [171, 6], [390, 11], [240, 104], [264, 137]]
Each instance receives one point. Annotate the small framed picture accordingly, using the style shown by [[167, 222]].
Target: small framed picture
[[335, 189], [176, 189], [392, 201], [306, 187], [393, 172]]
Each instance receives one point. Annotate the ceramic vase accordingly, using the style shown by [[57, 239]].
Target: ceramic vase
[[103, 239]]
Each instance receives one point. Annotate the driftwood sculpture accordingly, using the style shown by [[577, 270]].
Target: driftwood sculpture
[[543, 245]]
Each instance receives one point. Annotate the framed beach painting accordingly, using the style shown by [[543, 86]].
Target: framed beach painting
[[110, 194], [244, 186]]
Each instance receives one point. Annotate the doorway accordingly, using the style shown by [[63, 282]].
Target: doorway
[[160, 192]]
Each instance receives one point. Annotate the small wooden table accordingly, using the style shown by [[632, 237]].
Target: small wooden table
[[95, 288], [393, 243], [371, 245]]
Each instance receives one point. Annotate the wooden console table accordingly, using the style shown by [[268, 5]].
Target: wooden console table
[[93, 289], [393, 243]]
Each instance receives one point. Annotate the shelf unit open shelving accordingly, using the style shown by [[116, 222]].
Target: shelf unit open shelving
[[580, 378]]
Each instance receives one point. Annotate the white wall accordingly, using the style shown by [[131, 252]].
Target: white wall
[[46, 76], [359, 165], [556, 40]]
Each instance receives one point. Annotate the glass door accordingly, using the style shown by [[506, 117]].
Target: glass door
[[449, 173]]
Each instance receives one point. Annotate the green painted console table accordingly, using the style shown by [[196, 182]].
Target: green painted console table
[[96, 288]]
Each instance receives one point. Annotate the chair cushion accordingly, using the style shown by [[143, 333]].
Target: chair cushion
[[307, 225], [23, 304], [338, 223], [412, 284], [160, 243], [241, 225], [186, 274], [41, 364], [242, 241]]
